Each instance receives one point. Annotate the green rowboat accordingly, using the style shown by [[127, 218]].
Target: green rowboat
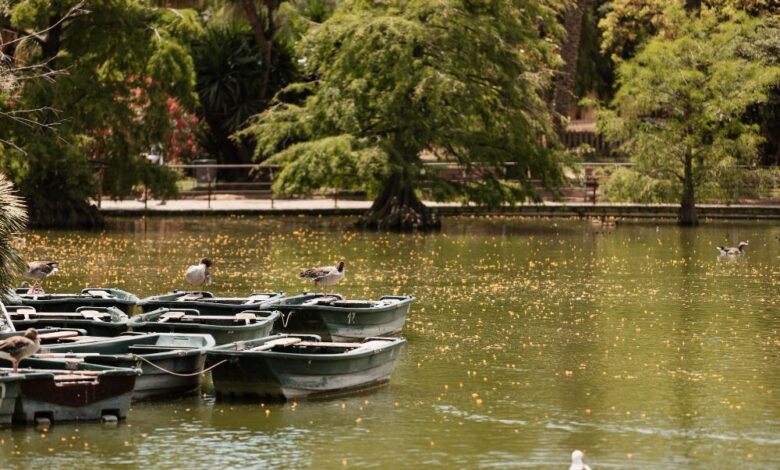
[[225, 328], [291, 367], [156, 354], [336, 319], [89, 297], [206, 302], [96, 321]]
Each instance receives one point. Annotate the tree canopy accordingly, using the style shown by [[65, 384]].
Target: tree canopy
[[117, 64], [461, 80], [680, 110]]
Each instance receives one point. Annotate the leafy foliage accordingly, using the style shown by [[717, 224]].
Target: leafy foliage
[[121, 61], [461, 80], [680, 108]]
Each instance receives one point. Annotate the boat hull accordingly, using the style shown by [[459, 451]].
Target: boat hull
[[9, 391], [57, 391], [285, 376], [343, 323]]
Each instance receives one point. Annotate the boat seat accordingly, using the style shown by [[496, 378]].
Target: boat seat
[[324, 300], [154, 347], [94, 314], [190, 297], [369, 346], [99, 293], [171, 316], [58, 335], [256, 298], [247, 317], [214, 318], [289, 341], [330, 344]]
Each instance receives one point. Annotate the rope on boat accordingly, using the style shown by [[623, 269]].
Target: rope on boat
[[285, 321], [178, 374]]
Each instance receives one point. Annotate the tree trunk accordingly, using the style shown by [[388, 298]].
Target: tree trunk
[[398, 209], [51, 44], [688, 215], [564, 80], [263, 38], [693, 6]]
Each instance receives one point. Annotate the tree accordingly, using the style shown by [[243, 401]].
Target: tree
[[628, 24], [121, 61], [679, 111], [564, 81], [461, 80], [229, 66]]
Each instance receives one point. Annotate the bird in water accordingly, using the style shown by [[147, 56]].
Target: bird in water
[[733, 250], [325, 275], [198, 274], [17, 348], [576, 461], [38, 271]]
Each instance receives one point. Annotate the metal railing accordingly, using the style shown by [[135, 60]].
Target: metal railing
[[256, 181]]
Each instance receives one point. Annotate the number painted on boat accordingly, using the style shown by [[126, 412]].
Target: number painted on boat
[[350, 318]]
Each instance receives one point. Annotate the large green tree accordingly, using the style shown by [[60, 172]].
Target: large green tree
[[461, 80], [681, 104], [115, 65]]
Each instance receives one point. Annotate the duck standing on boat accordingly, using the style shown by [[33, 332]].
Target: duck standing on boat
[[198, 274], [733, 250], [325, 275], [17, 348], [38, 271]]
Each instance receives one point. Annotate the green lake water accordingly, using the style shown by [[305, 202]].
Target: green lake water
[[529, 339]]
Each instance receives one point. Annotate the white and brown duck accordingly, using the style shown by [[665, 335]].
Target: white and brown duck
[[324, 275], [17, 348], [38, 271], [198, 274], [733, 250]]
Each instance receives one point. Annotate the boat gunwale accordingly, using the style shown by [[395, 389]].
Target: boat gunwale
[[402, 301], [162, 355], [209, 300], [128, 298], [392, 342], [136, 321]]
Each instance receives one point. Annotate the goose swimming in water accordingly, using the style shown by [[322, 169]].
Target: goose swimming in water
[[731, 250], [324, 276], [198, 274], [38, 271], [17, 348], [576, 461]]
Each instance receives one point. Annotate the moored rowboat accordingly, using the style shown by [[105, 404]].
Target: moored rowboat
[[334, 318], [299, 366], [89, 297], [67, 391], [206, 302], [156, 354], [96, 321], [225, 328]]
